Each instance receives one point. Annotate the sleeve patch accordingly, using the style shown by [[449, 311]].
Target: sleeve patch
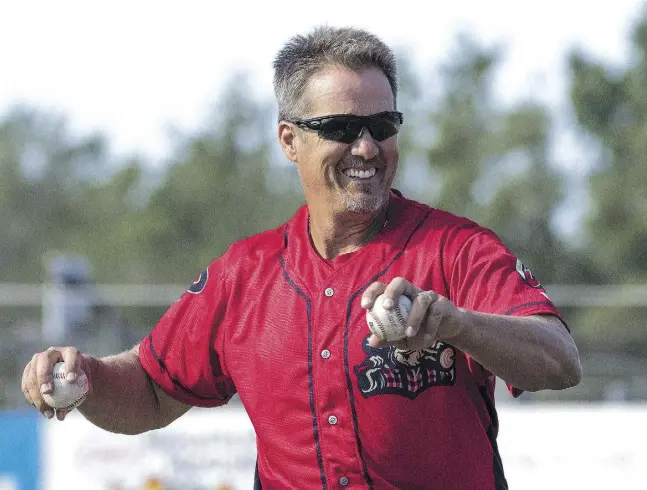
[[198, 285], [526, 275]]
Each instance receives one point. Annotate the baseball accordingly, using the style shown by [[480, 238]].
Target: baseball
[[66, 395], [389, 325]]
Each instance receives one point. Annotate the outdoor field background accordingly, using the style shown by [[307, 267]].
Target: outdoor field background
[[137, 141]]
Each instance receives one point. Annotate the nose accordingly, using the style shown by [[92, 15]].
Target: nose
[[365, 146]]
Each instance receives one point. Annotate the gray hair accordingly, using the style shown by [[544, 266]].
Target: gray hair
[[304, 55]]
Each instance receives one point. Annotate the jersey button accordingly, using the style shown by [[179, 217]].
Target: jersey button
[[332, 420], [325, 353], [343, 481], [329, 292]]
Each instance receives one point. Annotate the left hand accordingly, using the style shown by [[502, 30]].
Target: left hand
[[432, 317]]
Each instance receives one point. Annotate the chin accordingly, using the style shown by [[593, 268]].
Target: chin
[[365, 203]]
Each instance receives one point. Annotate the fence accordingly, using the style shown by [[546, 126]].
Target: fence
[[582, 295]]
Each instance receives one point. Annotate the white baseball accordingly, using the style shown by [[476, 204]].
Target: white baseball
[[388, 325], [66, 395]]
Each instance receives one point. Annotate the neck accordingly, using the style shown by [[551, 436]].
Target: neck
[[338, 234]]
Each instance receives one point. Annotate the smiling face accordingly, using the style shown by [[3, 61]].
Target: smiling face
[[344, 177]]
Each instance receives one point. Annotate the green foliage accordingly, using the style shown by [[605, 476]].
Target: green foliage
[[58, 193], [43, 172], [218, 190], [611, 105], [492, 165]]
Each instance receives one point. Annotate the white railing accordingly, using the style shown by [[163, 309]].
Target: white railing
[[580, 295]]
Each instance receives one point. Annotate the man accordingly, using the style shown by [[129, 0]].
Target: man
[[280, 317]]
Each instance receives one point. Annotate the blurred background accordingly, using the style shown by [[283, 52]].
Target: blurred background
[[138, 141]]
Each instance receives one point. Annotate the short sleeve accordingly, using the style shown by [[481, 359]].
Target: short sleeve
[[487, 277], [184, 353]]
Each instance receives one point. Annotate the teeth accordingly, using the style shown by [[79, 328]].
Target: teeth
[[360, 174]]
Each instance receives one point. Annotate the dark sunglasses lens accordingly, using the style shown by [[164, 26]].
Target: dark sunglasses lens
[[339, 129], [348, 129], [383, 128]]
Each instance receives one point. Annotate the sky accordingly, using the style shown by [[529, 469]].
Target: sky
[[136, 69]]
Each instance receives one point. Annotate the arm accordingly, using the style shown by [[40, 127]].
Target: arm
[[122, 396], [124, 399], [531, 353], [182, 354]]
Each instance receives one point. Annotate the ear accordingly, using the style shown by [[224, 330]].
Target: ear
[[288, 140]]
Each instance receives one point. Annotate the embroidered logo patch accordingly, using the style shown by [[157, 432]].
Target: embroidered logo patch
[[527, 276], [405, 372], [198, 285]]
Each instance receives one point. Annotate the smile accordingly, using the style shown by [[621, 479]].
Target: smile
[[360, 174]]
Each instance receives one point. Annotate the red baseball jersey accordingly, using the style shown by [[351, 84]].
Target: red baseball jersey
[[284, 328]]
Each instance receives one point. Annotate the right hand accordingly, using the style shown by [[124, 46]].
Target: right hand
[[37, 376]]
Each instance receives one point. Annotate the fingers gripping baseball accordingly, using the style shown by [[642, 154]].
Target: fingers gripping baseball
[[25, 386], [371, 294], [389, 298], [37, 380], [427, 331], [421, 313], [392, 291], [431, 317]]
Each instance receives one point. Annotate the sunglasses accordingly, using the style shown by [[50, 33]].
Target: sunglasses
[[346, 128]]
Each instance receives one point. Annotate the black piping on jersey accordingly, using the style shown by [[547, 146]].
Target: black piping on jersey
[[534, 303], [311, 395], [224, 398], [500, 483], [349, 382]]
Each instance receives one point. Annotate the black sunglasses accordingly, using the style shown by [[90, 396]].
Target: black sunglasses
[[346, 128]]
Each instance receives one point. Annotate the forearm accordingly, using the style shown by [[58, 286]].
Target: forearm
[[531, 353], [122, 399]]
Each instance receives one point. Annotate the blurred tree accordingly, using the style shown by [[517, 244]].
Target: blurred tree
[[611, 106], [223, 185], [43, 173], [491, 164], [69, 194], [66, 194]]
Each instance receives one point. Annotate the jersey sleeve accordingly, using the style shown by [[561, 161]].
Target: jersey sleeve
[[487, 277], [184, 353]]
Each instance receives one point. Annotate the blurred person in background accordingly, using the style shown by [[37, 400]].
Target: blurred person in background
[[280, 317]]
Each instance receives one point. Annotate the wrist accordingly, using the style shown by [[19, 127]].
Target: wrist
[[456, 326]]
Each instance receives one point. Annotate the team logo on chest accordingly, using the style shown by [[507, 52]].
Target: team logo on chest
[[405, 372]]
